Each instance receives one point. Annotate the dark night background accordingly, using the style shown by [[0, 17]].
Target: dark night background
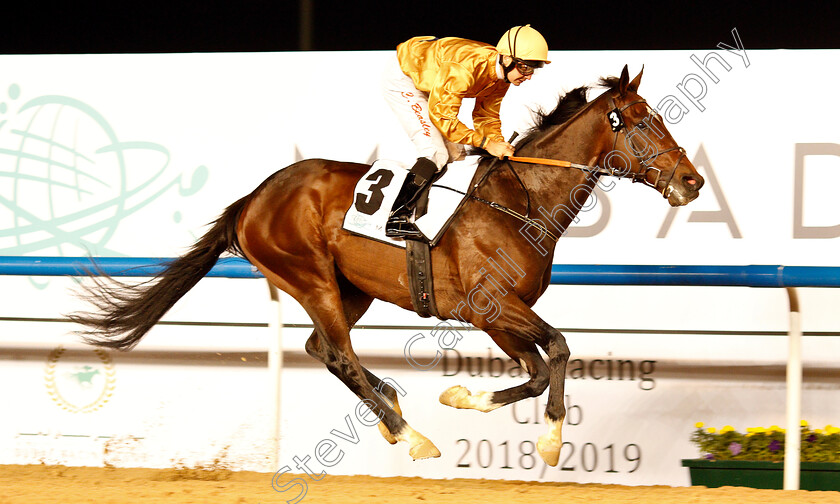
[[216, 26]]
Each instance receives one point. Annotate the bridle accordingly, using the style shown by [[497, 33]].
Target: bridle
[[615, 118], [616, 114]]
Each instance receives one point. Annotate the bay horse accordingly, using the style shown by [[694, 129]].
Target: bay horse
[[290, 228]]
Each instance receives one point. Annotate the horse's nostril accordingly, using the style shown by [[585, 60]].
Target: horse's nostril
[[695, 181]]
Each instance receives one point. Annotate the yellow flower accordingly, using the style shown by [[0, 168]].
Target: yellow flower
[[803, 423], [727, 428], [711, 430], [775, 428], [699, 425]]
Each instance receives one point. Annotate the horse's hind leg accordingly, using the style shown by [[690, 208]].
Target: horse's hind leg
[[325, 306], [521, 351], [381, 387], [355, 304]]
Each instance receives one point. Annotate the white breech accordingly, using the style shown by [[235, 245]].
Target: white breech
[[412, 109]]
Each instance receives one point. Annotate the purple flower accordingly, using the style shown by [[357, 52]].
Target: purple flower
[[774, 445], [735, 448], [811, 438], [709, 456]]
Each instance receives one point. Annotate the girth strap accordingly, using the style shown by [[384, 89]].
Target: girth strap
[[418, 257]]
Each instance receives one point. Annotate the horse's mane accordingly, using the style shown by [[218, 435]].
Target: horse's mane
[[567, 106]]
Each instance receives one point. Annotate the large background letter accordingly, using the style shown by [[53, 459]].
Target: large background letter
[[802, 150]]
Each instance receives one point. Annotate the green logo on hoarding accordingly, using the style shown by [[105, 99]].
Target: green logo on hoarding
[[67, 180], [80, 389]]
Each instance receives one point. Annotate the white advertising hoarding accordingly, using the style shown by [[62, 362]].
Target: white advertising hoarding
[[133, 154]]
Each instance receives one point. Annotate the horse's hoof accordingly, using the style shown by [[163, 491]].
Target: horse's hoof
[[549, 450], [387, 434], [461, 397], [421, 447], [454, 396], [424, 450]]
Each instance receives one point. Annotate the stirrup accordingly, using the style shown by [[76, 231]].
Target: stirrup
[[399, 219], [400, 229]]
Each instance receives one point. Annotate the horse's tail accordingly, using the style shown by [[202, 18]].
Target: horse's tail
[[127, 312]]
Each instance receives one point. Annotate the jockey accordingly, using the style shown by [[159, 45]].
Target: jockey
[[424, 85]]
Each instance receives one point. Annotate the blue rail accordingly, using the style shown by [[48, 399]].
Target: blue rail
[[230, 267], [570, 274], [730, 276]]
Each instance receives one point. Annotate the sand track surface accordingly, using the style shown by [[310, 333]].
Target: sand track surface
[[33, 484]]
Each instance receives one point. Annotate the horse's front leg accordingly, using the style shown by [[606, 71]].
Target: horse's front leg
[[523, 352], [516, 318], [550, 443]]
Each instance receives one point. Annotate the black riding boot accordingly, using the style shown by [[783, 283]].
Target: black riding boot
[[400, 224]]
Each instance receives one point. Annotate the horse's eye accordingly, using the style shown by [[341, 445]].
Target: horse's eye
[[642, 125]]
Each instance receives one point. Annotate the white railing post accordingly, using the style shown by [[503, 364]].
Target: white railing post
[[275, 372], [794, 394]]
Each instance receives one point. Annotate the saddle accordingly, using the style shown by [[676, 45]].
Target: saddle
[[373, 198]]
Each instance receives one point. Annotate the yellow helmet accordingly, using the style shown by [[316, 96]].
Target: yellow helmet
[[525, 43]]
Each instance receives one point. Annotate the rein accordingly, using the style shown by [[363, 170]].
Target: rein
[[501, 208], [569, 164], [513, 213]]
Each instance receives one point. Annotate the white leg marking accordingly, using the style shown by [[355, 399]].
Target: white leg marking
[[386, 434], [384, 430], [549, 444], [460, 397]]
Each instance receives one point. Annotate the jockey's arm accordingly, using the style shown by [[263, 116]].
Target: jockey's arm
[[489, 125], [445, 101], [486, 116]]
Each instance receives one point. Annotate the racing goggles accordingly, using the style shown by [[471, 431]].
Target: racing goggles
[[527, 67]]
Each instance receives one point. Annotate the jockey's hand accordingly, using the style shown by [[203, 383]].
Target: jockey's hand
[[499, 149]]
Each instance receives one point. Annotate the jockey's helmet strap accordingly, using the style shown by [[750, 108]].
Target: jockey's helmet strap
[[506, 69]]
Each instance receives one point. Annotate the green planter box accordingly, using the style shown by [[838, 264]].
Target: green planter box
[[748, 473]]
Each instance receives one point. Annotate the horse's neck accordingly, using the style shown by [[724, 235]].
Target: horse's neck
[[577, 141]]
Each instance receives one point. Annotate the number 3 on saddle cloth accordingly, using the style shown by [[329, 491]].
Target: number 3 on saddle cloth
[[376, 191]]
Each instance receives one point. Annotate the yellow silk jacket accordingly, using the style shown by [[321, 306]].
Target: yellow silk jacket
[[451, 69]]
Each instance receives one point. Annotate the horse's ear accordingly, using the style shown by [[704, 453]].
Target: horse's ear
[[634, 84], [623, 81]]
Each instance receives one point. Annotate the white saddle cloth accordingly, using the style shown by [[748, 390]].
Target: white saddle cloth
[[376, 191]]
